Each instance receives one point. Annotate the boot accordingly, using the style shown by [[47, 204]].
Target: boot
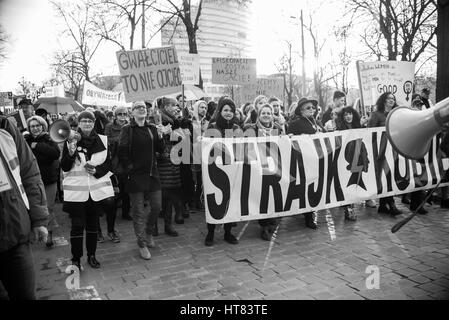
[[393, 210], [265, 233], [186, 213], [126, 216], [405, 199], [209, 241], [77, 263], [93, 262], [310, 221], [229, 238], [49, 242], [170, 231], [350, 214], [155, 230]]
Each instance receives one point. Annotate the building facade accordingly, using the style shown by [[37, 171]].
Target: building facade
[[223, 31]]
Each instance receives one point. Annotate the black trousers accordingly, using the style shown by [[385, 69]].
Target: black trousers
[[123, 195], [227, 227], [109, 207], [172, 197], [17, 272], [85, 218]]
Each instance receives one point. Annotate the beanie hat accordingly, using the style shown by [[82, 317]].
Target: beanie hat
[[339, 94], [86, 115], [225, 101]]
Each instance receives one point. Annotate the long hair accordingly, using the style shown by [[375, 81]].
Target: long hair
[[341, 123], [380, 103]]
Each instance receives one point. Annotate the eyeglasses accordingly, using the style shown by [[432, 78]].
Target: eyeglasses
[[121, 114], [139, 107], [36, 126], [86, 121], [276, 106], [309, 108]]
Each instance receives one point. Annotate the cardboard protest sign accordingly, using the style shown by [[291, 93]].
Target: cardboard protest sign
[[267, 177], [19, 119], [190, 68], [266, 86], [95, 96], [378, 77], [149, 73], [6, 99], [233, 71]]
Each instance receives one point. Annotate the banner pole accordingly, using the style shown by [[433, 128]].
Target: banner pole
[[360, 87]]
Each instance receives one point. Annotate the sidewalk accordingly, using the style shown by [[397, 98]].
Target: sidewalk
[[328, 263]]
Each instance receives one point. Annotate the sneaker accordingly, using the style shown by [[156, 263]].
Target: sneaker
[[100, 238], [145, 253], [150, 241], [370, 203], [229, 238], [114, 237]]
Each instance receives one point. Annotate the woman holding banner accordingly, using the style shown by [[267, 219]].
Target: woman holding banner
[[349, 118], [305, 123], [265, 126], [224, 121], [384, 104]]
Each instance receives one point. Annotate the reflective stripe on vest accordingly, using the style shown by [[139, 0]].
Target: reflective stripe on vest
[[9, 150], [78, 184]]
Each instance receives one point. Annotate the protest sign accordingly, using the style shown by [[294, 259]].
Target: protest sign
[[52, 91], [265, 86], [149, 73], [267, 177], [6, 99], [190, 68], [19, 119], [233, 71], [378, 77], [95, 96]]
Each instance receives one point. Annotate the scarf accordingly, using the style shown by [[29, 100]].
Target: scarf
[[266, 131]]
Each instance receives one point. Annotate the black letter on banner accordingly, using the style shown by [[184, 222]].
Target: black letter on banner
[[402, 182], [444, 177], [422, 179], [432, 164], [270, 179], [249, 155], [296, 191], [380, 162], [315, 196], [220, 179], [332, 169]]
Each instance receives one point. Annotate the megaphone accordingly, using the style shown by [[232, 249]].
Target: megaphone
[[60, 131], [410, 132]]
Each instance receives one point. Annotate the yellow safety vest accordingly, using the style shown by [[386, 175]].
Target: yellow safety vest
[[9, 150], [78, 184]]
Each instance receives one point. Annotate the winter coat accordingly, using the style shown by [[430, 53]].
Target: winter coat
[[16, 220], [137, 154], [112, 131], [47, 154], [301, 125]]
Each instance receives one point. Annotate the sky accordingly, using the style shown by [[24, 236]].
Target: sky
[[34, 36]]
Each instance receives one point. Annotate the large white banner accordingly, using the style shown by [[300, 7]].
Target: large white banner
[[233, 71], [92, 95], [149, 73], [267, 177], [381, 76]]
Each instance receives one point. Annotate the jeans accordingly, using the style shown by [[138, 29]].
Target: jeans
[[145, 208], [109, 207], [50, 192], [85, 218], [17, 272]]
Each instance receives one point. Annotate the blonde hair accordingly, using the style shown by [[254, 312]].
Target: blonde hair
[[41, 121]]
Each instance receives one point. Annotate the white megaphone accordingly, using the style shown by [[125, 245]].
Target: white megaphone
[[410, 132], [60, 131]]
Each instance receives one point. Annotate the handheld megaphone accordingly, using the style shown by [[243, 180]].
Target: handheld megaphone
[[410, 132], [60, 131]]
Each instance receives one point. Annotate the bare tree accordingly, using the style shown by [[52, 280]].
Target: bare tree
[[69, 69], [404, 29], [81, 30], [3, 42], [340, 67], [115, 19], [285, 67], [26, 86]]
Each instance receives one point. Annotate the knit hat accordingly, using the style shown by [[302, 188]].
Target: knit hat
[[41, 121], [86, 115], [225, 101], [339, 94]]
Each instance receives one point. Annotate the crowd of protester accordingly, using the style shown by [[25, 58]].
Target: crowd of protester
[[121, 158]]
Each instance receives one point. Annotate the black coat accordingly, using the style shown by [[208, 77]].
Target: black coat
[[47, 154], [302, 126]]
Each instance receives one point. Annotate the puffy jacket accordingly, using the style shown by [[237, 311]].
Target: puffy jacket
[[47, 153], [19, 213]]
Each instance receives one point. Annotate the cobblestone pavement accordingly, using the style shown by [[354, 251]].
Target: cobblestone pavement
[[329, 263]]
